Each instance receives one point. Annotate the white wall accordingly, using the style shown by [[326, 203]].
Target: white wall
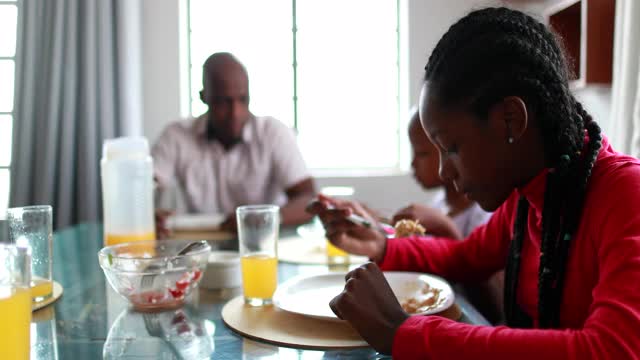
[[130, 58], [597, 101], [161, 64], [426, 21]]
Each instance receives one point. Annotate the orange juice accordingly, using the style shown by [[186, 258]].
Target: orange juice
[[332, 250], [114, 239], [41, 288], [336, 255], [15, 312], [259, 276]]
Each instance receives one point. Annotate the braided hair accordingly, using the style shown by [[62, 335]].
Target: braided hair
[[515, 55]]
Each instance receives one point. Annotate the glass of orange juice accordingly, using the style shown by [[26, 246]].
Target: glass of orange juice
[[335, 255], [258, 227], [31, 226], [15, 302]]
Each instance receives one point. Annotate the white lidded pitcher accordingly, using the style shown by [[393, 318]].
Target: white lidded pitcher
[[127, 190]]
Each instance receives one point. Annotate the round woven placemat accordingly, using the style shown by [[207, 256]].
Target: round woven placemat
[[278, 327]]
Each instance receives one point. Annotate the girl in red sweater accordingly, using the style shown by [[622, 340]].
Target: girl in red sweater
[[566, 223]]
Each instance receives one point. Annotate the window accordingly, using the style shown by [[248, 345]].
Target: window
[[327, 68], [8, 29]]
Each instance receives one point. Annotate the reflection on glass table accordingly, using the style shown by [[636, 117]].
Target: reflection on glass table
[[44, 341], [177, 334], [254, 350], [91, 320]]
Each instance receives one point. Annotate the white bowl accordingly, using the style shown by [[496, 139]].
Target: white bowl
[[222, 271]]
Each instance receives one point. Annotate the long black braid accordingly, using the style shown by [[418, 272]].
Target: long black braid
[[497, 52]]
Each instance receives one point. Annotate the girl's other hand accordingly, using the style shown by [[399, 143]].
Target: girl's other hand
[[369, 305]]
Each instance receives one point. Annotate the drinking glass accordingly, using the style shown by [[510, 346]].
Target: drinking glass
[[15, 302], [31, 226], [258, 227]]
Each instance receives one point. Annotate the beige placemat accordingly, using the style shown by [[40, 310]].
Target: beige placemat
[[45, 314], [279, 327], [202, 235], [297, 250], [57, 293]]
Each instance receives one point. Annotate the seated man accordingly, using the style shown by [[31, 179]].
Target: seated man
[[228, 157]]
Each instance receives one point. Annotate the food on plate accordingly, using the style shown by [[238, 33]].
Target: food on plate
[[408, 227], [426, 298]]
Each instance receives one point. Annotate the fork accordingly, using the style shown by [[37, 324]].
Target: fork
[[359, 220], [147, 280]]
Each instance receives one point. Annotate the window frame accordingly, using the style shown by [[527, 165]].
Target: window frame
[[400, 166], [14, 58]]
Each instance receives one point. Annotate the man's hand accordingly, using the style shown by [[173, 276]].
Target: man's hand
[[298, 196], [353, 238], [369, 305], [162, 230], [230, 224]]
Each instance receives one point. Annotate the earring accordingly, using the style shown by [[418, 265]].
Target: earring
[[510, 140]]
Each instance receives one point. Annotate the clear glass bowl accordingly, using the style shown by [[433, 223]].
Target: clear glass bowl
[[150, 274]]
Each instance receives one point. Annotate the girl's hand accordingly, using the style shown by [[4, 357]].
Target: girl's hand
[[369, 305], [343, 233]]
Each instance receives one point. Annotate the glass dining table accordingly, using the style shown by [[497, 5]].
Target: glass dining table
[[91, 321]]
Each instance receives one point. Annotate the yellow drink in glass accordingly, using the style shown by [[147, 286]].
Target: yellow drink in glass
[[115, 239], [15, 312], [259, 278], [41, 288], [336, 255]]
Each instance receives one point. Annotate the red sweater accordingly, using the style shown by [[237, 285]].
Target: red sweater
[[600, 310]]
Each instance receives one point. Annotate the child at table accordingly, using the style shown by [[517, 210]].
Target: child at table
[[466, 214], [566, 223]]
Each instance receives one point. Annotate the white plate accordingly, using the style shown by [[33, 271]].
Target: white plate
[[195, 222], [310, 295], [312, 231]]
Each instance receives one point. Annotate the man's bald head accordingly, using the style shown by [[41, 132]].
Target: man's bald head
[[219, 64], [226, 93]]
